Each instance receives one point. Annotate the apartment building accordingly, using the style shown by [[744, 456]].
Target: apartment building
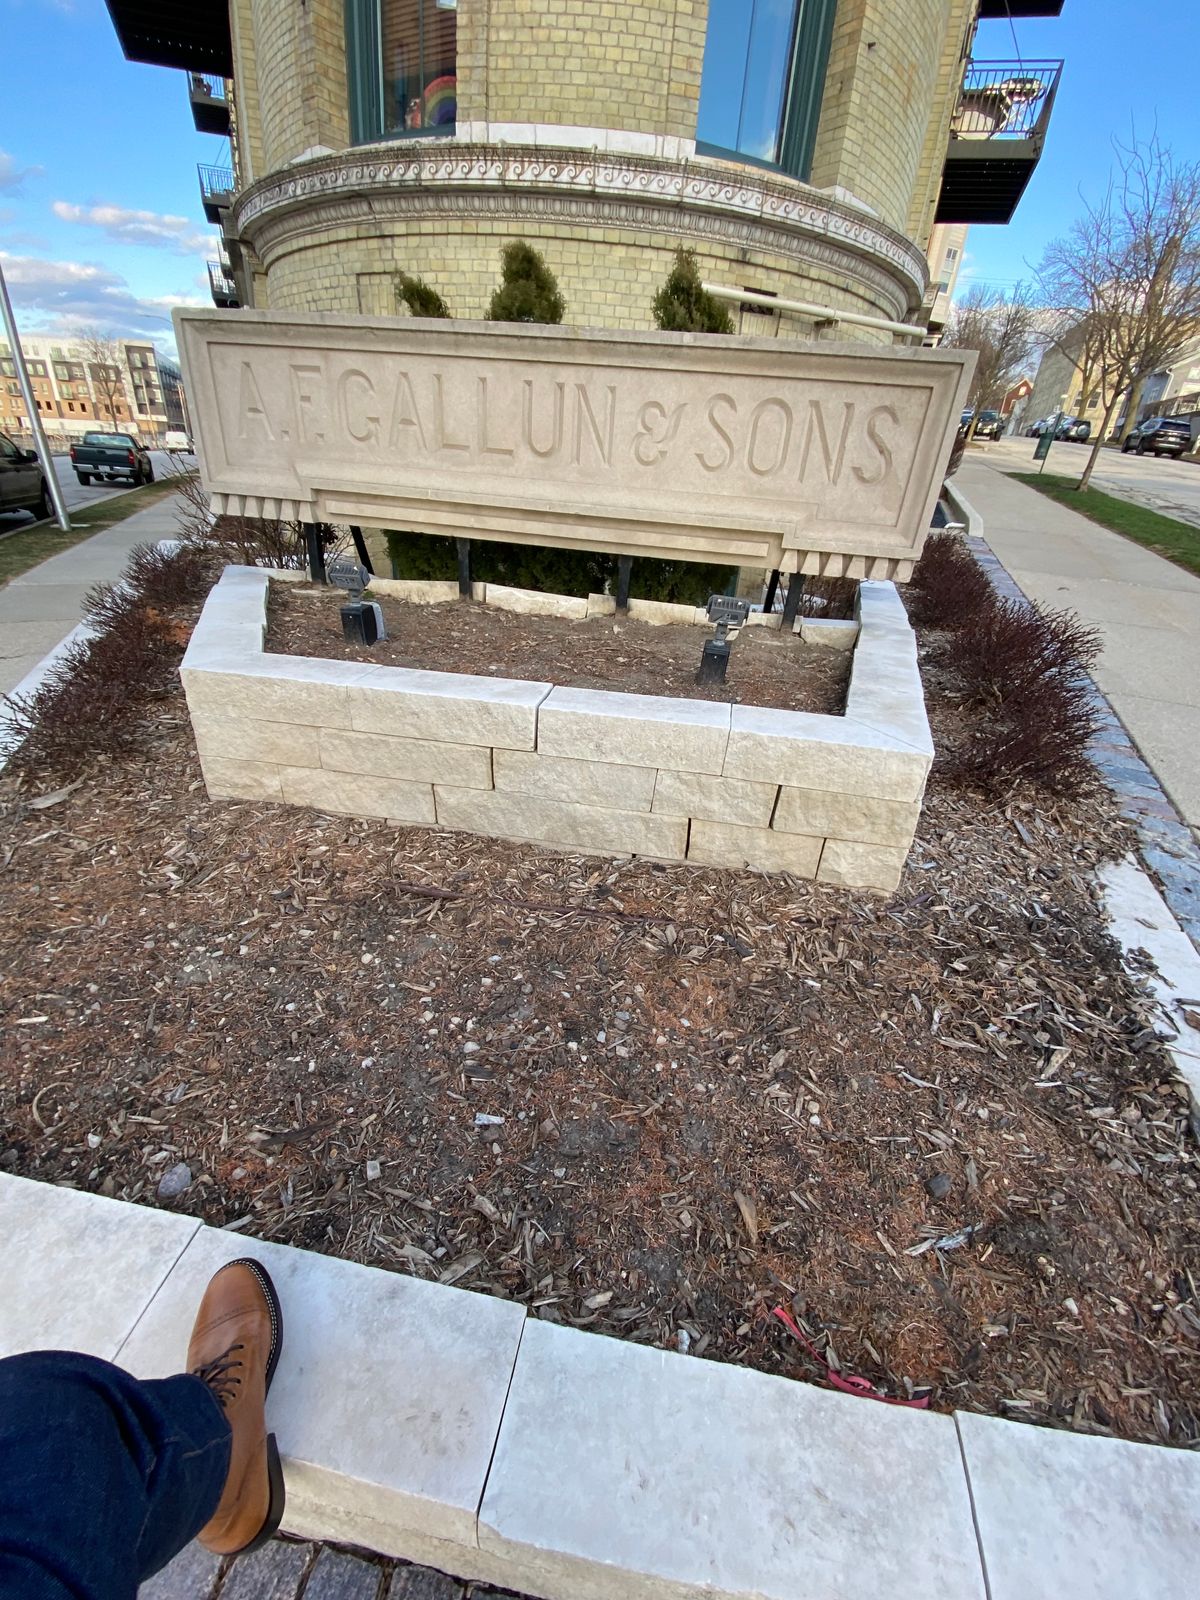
[[139, 391], [805, 149]]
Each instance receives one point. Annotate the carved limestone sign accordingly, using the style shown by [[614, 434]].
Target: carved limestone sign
[[758, 452]]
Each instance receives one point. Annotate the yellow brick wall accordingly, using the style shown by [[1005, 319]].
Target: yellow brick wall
[[247, 112], [300, 52], [884, 62], [956, 43]]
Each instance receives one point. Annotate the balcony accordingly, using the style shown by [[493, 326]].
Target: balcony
[[996, 138], [223, 289], [192, 34], [1000, 9], [216, 190], [210, 108]]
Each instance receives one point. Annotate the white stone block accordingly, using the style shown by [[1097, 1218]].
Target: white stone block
[[593, 830], [354, 795], [422, 591], [723, 844], [389, 1391], [234, 739], [862, 866], [409, 760], [833, 633], [601, 605], [1063, 1514], [626, 1473], [78, 1270], [886, 694], [660, 613], [240, 780], [852, 817], [532, 603], [695, 794], [587, 783], [807, 751], [270, 688], [452, 707], [765, 619], [639, 730]]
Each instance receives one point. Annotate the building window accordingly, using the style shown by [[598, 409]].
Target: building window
[[401, 58], [763, 78], [951, 254]]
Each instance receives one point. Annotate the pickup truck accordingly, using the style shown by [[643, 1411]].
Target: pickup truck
[[108, 456]]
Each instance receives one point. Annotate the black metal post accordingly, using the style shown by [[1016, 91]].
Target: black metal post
[[791, 603], [624, 573], [772, 591], [360, 548], [316, 553], [464, 568]]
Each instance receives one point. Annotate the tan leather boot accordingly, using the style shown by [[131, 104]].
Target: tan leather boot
[[235, 1347]]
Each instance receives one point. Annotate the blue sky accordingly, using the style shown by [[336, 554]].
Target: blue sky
[[1127, 63], [100, 219]]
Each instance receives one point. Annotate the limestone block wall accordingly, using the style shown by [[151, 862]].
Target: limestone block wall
[[831, 798]]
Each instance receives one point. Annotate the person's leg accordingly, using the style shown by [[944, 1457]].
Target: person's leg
[[102, 1478]]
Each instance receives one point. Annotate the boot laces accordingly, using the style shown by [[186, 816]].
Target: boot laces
[[218, 1374]]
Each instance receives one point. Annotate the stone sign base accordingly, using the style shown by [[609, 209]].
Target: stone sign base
[[831, 798]]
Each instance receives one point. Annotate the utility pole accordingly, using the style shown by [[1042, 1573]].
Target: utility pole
[[35, 421]]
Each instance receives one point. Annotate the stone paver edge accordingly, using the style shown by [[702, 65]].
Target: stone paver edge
[[609, 1576]]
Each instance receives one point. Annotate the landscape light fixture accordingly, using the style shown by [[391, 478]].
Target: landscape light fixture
[[362, 620], [726, 612]]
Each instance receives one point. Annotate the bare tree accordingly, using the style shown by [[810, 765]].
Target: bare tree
[[1003, 330], [103, 358], [1126, 280]]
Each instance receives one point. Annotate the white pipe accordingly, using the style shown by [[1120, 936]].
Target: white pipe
[[820, 313]]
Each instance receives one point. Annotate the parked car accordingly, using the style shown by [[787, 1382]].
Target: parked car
[[177, 443], [23, 485], [1079, 430], [990, 425], [109, 456], [1036, 429], [1164, 436]]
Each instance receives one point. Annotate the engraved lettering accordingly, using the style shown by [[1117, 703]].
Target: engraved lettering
[[405, 415], [885, 450], [602, 440], [441, 433], [722, 433], [527, 420], [253, 411], [656, 429], [367, 431], [304, 399], [783, 431], [481, 424], [834, 459]]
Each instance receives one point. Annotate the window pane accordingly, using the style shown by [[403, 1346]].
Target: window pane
[[419, 59], [746, 60]]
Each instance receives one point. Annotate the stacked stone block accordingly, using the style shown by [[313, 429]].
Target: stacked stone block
[[831, 798]]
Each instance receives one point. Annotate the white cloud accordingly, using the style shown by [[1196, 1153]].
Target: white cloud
[[157, 229], [12, 176], [61, 296]]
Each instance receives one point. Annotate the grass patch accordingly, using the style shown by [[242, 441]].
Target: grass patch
[[1166, 536], [26, 547]]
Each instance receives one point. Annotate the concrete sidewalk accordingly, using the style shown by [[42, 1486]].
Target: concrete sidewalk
[[1146, 609], [41, 606]]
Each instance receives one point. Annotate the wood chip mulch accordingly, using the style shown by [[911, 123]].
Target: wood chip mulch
[[766, 668], [650, 1101]]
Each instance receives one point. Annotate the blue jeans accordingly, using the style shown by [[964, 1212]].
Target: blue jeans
[[102, 1478]]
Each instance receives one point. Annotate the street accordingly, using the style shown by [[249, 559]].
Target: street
[[1172, 487], [77, 496]]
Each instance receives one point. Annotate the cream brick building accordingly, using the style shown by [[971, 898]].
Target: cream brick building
[[805, 149]]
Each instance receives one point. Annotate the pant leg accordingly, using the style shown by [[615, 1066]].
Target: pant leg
[[103, 1478]]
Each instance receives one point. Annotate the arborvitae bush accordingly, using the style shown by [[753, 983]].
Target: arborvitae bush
[[683, 305], [528, 290], [421, 299]]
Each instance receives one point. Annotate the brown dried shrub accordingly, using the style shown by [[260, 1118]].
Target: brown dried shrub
[[832, 598], [948, 586]]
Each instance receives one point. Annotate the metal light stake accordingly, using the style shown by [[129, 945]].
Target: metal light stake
[[727, 612]]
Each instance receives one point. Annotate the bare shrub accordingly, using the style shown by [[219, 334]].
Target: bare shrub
[[832, 598], [948, 586], [247, 541]]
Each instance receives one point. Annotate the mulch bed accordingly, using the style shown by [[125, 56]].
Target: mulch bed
[[937, 1127], [765, 668]]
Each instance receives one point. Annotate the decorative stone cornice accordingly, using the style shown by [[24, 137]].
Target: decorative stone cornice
[[695, 197]]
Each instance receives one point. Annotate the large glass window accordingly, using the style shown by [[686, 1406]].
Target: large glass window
[[401, 58], [763, 78]]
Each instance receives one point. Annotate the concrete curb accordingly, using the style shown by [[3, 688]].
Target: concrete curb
[[446, 1427], [964, 510]]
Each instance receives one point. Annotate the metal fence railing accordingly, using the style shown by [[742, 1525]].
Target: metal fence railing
[[216, 183], [204, 86], [1006, 99], [220, 282]]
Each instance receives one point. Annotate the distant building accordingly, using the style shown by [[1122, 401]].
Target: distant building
[[1064, 382], [140, 393], [947, 245]]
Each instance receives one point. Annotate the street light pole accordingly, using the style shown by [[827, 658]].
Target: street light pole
[[35, 421]]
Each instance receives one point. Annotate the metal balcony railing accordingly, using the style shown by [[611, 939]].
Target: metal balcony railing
[[223, 289], [210, 104], [1006, 100], [216, 190]]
